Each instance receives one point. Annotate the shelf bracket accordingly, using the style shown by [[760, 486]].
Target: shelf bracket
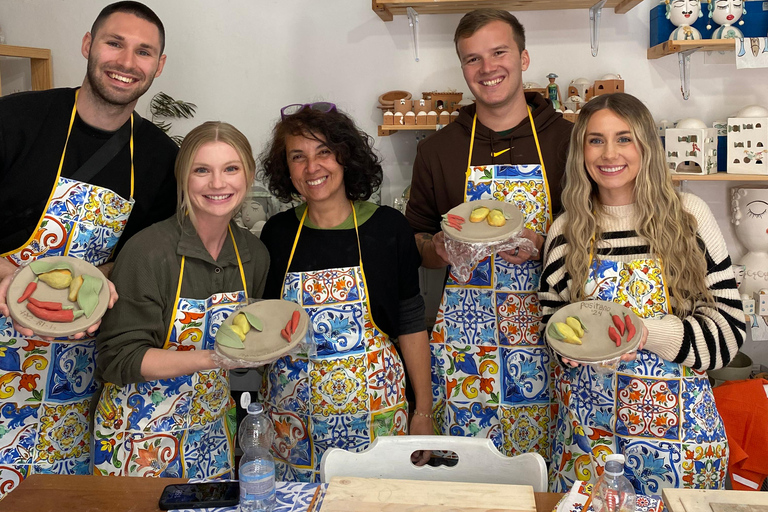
[[413, 22], [684, 59], [594, 25]]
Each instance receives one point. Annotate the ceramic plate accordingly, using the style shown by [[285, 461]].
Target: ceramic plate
[[267, 344], [43, 292], [475, 232], [596, 315]]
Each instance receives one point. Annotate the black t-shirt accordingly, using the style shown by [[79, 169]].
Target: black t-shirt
[[390, 260], [33, 131]]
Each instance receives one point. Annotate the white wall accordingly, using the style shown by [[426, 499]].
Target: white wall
[[242, 60]]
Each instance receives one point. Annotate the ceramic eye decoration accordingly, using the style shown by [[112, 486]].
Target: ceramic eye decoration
[[749, 207], [725, 13], [682, 13]]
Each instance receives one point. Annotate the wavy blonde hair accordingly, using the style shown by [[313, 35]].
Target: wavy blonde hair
[[661, 220]]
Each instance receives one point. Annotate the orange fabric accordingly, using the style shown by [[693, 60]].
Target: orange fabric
[[743, 406]]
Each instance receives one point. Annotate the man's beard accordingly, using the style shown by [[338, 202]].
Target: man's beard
[[108, 95]]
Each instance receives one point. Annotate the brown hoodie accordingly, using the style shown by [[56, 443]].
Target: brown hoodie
[[437, 184]]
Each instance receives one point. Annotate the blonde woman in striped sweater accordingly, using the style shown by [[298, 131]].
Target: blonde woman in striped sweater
[[629, 237]]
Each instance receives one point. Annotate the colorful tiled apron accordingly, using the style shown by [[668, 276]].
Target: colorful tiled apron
[[46, 387], [181, 427], [491, 369], [661, 415], [348, 393]]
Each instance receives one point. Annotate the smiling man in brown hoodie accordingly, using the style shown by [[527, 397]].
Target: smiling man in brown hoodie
[[491, 369]]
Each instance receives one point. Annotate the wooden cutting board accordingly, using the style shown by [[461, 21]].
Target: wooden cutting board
[[701, 500], [347, 494]]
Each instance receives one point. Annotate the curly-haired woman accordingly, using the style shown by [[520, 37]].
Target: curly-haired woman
[[628, 236], [354, 266]]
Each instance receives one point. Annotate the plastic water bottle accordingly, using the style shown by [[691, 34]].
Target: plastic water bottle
[[257, 466], [613, 492]]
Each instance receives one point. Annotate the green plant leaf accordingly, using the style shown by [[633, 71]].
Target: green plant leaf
[[41, 266], [226, 337], [88, 295]]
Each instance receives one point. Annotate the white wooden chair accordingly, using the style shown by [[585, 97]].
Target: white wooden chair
[[478, 461]]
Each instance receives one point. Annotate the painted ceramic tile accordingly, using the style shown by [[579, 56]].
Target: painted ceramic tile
[[633, 417], [63, 432], [92, 243], [603, 280], [528, 196], [648, 364], [516, 278], [641, 288], [474, 420], [292, 438], [108, 457], [479, 189], [702, 423], [337, 330], [190, 324], [210, 397], [651, 465], [703, 465], [518, 319], [330, 287], [207, 451], [19, 425], [479, 278], [472, 372], [438, 363], [340, 387], [591, 397], [525, 377], [469, 316], [81, 466], [291, 287], [525, 429], [386, 378], [284, 472], [153, 410], [70, 374], [518, 171], [24, 369], [68, 194], [154, 455]]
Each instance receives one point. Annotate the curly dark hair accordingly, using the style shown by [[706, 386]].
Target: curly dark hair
[[352, 147]]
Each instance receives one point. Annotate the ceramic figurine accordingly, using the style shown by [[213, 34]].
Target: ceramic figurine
[[725, 13], [749, 206], [682, 14], [553, 92]]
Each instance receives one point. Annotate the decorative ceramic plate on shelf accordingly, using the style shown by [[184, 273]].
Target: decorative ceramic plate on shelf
[[596, 325], [58, 296], [263, 341], [483, 231]]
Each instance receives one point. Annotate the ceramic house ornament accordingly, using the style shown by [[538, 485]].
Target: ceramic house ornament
[[748, 141], [579, 87], [691, 148], [726, 13], [682, 14], [749, 206]]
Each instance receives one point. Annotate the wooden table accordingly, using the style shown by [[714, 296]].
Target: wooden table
[[54, 493]]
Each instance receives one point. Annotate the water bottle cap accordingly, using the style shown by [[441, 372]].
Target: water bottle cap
[[618, 457], [614, 464], [255, 408]]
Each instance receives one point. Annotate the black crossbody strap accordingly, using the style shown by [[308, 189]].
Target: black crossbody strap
[[107, 152]]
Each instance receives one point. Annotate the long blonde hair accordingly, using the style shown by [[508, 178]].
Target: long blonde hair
[[210, 131], [661, 220]]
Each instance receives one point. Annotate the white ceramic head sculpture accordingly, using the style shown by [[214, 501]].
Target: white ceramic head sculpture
[[749, 208], [682, 14], [726, 13]]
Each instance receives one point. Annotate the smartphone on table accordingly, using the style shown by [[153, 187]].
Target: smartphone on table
[[200, 495]]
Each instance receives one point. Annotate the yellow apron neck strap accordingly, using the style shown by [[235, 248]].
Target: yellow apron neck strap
[[469, 159], [181, 277]]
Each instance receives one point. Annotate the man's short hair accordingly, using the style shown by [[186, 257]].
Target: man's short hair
[[129, 7], [477, 19]]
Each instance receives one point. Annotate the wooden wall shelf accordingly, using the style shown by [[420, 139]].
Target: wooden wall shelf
[[386, 9], [389, 129], [707, 45], [40, 62], [720, 176]]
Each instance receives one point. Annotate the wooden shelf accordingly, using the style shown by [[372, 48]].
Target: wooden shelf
[[707, 45], [720, 176], [386, 9], [389, 129], [40, 62]]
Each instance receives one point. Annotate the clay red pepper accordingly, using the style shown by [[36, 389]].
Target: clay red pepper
[[630, 327], [614, 335], [294, 321], [284, 334], [455, 221], [63, 315], [28, 291], [50, 306], [618, 323]]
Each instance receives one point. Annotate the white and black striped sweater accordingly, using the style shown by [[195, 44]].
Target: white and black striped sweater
[[706, 339]]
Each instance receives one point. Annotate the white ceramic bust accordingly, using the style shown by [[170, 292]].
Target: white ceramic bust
[[682, 14], [749, 206], [726, 13]]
